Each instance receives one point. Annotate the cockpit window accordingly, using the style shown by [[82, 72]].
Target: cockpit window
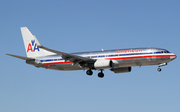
[[165, 52]]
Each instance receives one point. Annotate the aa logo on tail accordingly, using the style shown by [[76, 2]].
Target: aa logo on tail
[[32, 46]]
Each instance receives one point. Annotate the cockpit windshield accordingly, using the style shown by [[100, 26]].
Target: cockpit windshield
[[165, 51]]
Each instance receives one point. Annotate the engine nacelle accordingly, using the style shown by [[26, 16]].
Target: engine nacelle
[[103, 64], [121, 70]]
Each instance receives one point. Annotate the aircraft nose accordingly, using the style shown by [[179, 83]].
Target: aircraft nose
[[173, 57]]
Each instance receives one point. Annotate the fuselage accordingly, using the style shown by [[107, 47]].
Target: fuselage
[[120, 58], [117, 60]]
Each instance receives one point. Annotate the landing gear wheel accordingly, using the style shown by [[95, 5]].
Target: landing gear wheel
[[89, 72], [159, 69], [100, 75]]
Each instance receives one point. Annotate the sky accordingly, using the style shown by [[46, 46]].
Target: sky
[[89, 25]]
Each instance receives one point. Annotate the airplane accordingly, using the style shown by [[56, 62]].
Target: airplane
[[118, 60]]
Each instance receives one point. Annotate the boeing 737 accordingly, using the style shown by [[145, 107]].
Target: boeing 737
[[118, 60]]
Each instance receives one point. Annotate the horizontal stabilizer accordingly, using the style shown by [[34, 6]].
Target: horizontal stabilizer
[[21, 57]]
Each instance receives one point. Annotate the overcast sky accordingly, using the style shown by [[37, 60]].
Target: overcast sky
[[89, 25]]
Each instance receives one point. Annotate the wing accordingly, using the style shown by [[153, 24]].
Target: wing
[[71, 57]]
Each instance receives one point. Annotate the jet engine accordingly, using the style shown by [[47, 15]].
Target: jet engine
[[103, 64], [121, 70]]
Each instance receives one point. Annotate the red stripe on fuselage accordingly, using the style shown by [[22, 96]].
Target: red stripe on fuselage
[[53, 63], [143, 56], [116, 58]]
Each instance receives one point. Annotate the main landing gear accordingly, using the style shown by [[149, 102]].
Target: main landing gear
[[100, 74], [89, 72]]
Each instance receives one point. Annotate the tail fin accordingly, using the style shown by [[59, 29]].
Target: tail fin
[[31, 45]]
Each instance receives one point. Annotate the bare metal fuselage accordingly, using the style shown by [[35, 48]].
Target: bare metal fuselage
[[119, 57], [118, 61]]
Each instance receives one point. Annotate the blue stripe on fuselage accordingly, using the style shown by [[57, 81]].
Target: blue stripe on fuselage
[[100, 56]]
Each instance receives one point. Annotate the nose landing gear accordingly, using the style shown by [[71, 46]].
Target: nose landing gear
[[162, 64], [159, 69]]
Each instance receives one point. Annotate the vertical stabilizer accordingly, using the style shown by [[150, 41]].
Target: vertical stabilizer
[[31, 44]]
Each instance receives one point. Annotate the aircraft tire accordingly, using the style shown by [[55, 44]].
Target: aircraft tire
[[100, 75], [159, 69], [89, 72]]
